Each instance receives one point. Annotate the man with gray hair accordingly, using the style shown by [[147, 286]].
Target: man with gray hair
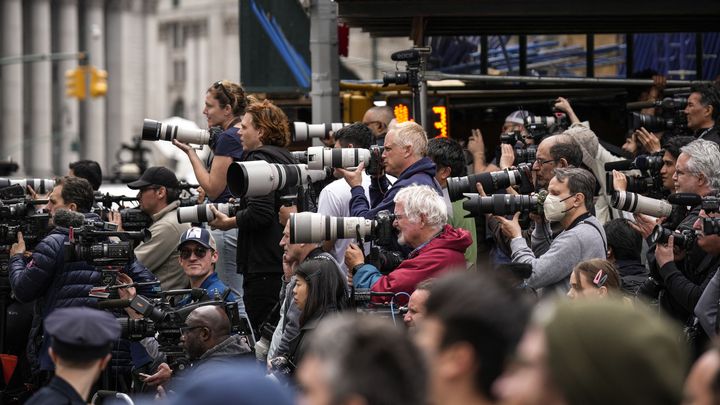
[[569, 201], [403, 157], [684, 278], [421, 219]]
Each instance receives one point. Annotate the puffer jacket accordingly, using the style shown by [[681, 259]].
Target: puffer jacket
[[47, 279]]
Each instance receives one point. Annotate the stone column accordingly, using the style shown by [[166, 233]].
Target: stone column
[[11, 84], [69, 114], [94, 131], [38, 156]]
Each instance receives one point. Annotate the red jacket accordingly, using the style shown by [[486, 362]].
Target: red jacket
[[444, 253]]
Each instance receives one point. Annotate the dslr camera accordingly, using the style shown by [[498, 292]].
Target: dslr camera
[[492, 182]]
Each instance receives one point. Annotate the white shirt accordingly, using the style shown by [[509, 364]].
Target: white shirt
[[334, 201]]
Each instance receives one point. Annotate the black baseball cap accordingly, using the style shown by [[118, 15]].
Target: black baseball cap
[[155, 176]]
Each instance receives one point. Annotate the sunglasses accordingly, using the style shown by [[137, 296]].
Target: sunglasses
[[200, 252], [219, 84]]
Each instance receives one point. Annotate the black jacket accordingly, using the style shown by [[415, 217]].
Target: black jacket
[[712, 134], [259, 229], [632, 274]]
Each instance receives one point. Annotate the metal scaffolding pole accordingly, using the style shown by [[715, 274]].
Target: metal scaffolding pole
[[325, 64], [554, 80]]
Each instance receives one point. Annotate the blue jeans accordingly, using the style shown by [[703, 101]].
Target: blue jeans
[[226, 266]]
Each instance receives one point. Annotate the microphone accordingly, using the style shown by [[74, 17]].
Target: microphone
[[685, 199], [620, 165]]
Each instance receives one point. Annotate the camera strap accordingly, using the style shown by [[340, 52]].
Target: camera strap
[[597, 229]]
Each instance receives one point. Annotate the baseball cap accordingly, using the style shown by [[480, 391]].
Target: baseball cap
[[157, 176], [517, 117], [198, 235]]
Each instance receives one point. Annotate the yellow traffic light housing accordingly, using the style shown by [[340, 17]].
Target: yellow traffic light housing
[[98, 82], [75, 83]]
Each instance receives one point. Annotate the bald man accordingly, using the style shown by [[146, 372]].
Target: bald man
[[701, 386], [208, 343], [378, 120]]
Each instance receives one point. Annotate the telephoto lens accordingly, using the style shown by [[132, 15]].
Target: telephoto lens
[[302, 131], [202, 212], [310, 227], [491, 182], [41, 186], [633, 202], [158, 131], [684, 239], [654, 123], [501, 204], [300, 156], [319, 157], [259, 178]]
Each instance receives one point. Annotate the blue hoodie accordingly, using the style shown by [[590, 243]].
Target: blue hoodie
[[420, 172]]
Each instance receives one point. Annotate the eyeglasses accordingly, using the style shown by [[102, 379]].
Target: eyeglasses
[[185, 329], [541, 162], [224, 90], [200, 252]]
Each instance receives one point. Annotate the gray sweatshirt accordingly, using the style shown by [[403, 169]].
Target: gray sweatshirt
[[551, 271]]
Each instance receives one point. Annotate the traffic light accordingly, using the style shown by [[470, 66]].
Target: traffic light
[[354, 105], [98, 82], [75, 83]]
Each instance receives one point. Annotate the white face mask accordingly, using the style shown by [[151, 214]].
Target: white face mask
[[554, 208]]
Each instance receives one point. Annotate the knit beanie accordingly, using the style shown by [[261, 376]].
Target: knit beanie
[[610, 352]]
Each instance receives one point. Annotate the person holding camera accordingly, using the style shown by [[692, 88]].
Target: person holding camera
[[225, 103], [703, 111], [403, 157], [684, 272], [334, 199], [265, 134], [706, 309], [319, 291], [569, 201], [421, 221], [45, 275], [158, 195]]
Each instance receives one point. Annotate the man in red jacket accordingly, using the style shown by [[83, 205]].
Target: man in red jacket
[[421, 219]]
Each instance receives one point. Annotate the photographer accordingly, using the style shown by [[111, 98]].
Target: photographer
[[554, 152], [294, 254], [421, 219], [378, 120], [46, 276], [335, 198], [568, 203], [403, 157], [208, 343], [265, 135], [447, 154], [476, 144], [703, 111], [225, 104], [706, 309], [158, 195], [681, 272]]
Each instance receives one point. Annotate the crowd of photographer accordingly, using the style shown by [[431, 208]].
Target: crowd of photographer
[[548, 275]]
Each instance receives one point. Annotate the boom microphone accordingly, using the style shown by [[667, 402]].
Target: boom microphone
[[685, 199], [620, 165]]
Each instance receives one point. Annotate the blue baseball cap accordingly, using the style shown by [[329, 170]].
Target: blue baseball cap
[[198, 235], [82, 333]]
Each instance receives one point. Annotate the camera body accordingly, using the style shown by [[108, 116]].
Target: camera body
[[19, 215], [91, 245], [684, 239], [135, 219]]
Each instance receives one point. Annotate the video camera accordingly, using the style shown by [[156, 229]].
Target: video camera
[[541, 126], [318, 158], [492, 182], [677, 122], [309, 227], [89, 244], [19, 215], [161, 319]]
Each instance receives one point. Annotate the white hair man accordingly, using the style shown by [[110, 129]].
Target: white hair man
[[421, 220]]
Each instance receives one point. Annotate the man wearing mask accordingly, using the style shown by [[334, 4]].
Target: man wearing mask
[[568, 203]]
